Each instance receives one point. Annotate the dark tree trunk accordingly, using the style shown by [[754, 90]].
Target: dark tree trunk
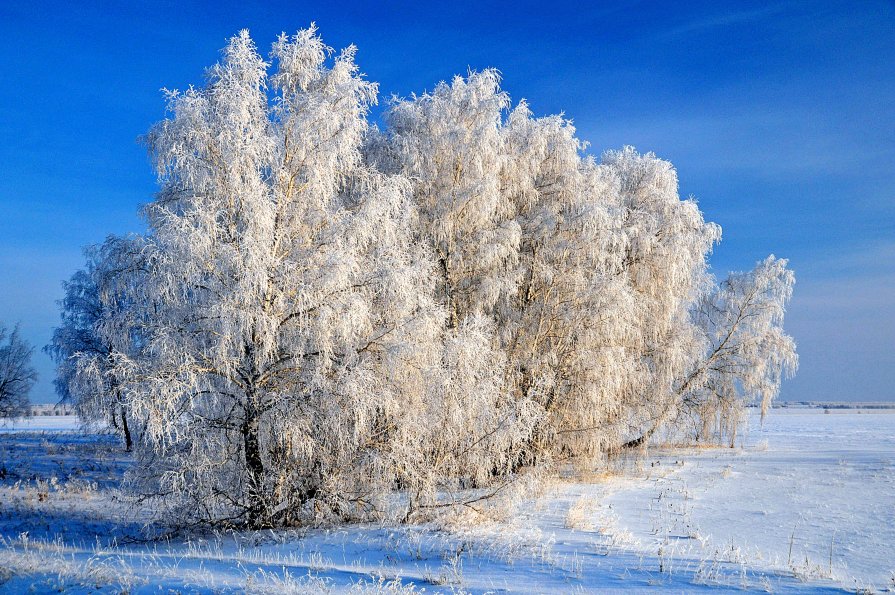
[[635, 442], [128, 440], [452, 306], [254, 467], [640, 440]]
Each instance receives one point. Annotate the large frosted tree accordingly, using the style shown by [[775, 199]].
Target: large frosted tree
[[449, 142], [664, 266], [323, 314], [280, 280], [587, 269], [561, 323], [289, 319]]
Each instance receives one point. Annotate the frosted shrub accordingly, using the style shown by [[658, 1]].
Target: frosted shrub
[[748, 353]]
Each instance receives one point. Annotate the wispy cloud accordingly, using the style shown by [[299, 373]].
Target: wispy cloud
[[709, 24], [771, 142]]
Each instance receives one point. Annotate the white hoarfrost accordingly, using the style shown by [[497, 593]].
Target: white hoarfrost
[[326, 321], [99, 324], [295, 364]]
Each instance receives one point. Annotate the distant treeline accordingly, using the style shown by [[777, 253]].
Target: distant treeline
[[50, 409], [840, 405]]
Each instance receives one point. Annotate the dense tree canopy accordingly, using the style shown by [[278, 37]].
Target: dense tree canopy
[[326, 320]]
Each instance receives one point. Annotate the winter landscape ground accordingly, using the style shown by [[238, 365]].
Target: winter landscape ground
[[803, 504]]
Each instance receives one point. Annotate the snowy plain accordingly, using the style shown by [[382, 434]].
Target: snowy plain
[[804, 504]]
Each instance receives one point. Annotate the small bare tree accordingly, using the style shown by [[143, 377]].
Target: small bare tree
[[17, 375]]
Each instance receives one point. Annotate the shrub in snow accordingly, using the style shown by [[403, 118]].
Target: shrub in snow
[[748, 353]]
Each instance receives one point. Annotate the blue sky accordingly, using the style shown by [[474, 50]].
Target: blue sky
[[778, 117]]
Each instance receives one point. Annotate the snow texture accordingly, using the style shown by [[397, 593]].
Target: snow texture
[[757, 518]]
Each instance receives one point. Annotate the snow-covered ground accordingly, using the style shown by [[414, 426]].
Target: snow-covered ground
[[811, 493], [762, 518]]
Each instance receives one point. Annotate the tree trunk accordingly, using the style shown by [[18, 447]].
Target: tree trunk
[[453, 321], [637, 441], [254, 467], [128, 441], [641, 440]]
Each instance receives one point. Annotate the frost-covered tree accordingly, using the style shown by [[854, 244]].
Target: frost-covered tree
[[747, 353], [494, 195], [617, 259], [559, 324], [17, 375], [664, 266], [323, 314], [449, 143], [587, 270], [295, 364], [98, 322]]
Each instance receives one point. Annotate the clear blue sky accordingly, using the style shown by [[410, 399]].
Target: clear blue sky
[[778, 117]]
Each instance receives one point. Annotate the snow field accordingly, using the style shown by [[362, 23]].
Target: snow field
[[694, 520]]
